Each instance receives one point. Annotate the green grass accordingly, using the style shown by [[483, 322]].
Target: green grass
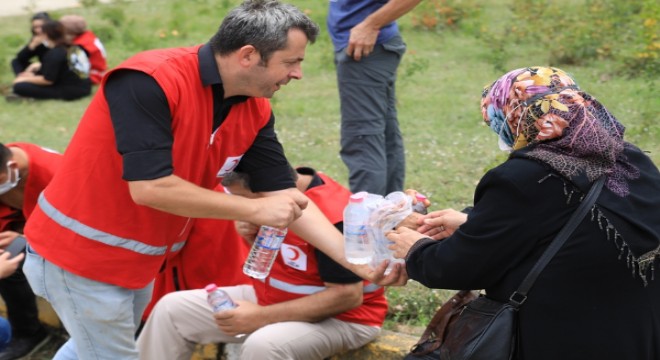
[[440, 80]]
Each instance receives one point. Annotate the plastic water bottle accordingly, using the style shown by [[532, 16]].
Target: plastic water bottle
[[358, 247], [263, 252], [419, 206], [218, 298]]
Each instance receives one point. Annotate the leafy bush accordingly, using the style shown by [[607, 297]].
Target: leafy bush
[[443, 14], [579, 32]]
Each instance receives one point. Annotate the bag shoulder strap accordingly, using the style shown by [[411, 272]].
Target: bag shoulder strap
[[520, 295]]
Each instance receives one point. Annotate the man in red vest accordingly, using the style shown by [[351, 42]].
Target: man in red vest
[[26, 170], [162, 128], [308, 307]]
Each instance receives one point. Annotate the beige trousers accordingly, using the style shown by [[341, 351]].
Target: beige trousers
[[182, 319]]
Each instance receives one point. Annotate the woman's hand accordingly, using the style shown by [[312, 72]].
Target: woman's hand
[[441, 223], [403, 239]]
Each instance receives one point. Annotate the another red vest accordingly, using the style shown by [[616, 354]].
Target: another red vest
[[87, 222], [96, 53], [295, 271], [42, 164]]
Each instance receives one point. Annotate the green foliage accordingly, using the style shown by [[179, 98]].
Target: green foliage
[[644, 57], [448, 148], [88, 3], [415, 64], [579, 32], [113, 14], [415, 304], [443, 14]]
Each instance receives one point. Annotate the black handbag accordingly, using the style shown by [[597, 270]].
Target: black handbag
[[484, 329]]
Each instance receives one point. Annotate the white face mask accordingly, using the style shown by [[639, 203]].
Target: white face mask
[[9, 184]]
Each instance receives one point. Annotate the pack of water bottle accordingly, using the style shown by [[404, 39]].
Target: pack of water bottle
[[367, 218]]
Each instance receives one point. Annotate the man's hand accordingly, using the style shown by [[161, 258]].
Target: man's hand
[[361, 41], [244, 319], [280, 208], [398, 276]]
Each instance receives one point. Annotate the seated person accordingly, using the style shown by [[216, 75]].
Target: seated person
[[208, 239], [25, 170], [7, 267], [76, 33], [308, 307], [63, 73], [34, 48]]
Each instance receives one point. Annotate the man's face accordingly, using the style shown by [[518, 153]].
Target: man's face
[[282, 66]]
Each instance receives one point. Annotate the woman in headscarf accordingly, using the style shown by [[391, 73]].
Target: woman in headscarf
[[597, 298]]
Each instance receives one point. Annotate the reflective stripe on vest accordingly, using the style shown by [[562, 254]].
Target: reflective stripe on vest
[[98, 235], [308, 289]]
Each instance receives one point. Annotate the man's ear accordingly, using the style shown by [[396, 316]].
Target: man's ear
[[248, 56]]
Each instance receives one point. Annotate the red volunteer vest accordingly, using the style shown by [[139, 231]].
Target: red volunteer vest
[[42, 164], [295, 271], [96, 54], [87, 222]]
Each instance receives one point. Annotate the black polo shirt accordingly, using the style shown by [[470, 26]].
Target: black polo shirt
[[142, 122]]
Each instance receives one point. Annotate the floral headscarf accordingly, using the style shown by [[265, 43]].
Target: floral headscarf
[[543, 107]]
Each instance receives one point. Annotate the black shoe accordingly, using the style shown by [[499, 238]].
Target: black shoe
[[23, 346]]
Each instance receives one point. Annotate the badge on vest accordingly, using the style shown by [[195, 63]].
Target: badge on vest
[[229, 165], [294, 257]]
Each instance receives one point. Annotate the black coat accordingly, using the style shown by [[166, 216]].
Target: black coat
[[588, 303]]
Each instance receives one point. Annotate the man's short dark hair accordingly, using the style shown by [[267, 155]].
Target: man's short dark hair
[[264, 24]]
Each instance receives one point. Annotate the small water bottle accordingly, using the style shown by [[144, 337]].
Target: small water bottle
[[358, 247], [263, 252], [419, 205], [218, 298]]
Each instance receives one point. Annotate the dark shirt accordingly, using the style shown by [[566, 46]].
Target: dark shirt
[[329, 270], [24, 56], [55, 68], [142, 121]]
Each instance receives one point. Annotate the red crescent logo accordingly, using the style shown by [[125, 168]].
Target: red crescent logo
[[296, 254]]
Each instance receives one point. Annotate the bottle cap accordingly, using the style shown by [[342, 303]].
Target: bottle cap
[[358, 197], [210, 288]]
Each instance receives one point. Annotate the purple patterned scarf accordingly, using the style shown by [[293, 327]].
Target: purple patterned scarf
[[569, 130]]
